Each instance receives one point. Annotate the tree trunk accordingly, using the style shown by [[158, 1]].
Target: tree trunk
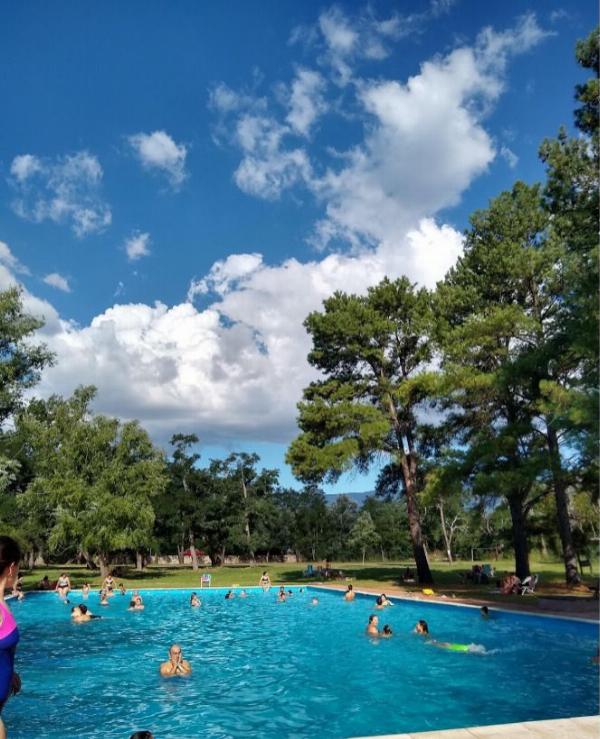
[[562, 509], [193, 551], [520, 543], [364, 554], [445, 531], [246, 516], [180, 557], [414, 522], [31, 559], [139, 561], [543, 545], [104, 562]]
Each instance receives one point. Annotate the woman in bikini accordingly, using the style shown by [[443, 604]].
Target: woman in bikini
[[10, 682], [63, 585]]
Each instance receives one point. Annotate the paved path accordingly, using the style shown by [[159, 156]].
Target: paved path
[[585, 727]]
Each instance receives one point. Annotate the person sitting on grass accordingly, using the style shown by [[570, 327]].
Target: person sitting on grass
[[44, 583], [372, 629], [349, 594], [510, 585], [195, 601], [136, 603], [175, 666]]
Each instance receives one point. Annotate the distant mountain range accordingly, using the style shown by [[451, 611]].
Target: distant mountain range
[[358, 498]]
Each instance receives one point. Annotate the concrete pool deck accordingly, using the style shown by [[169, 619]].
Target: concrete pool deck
[[589, 614], [582, 727]]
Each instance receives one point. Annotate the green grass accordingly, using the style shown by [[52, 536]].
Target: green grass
[[376, 575]]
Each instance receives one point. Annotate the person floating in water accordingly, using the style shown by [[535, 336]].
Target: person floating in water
[[10, 682], [229, 595], [372, 629], [349, 594], [195, 601], [81, 614], [175, 666], [281, 596], [265, 581], [422, 628], [314, 602], [136, 603], [243, 594]]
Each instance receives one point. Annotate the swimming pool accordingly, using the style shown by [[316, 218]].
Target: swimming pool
[[264, 669]]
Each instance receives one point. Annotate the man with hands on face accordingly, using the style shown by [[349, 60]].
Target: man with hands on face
[[175, 665]]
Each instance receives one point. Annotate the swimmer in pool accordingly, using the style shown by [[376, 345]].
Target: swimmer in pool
[[421, 627], [243, 594], [485, 613], [349, 594], [386, 632], [195, 601], [104, 598], [281, 597], [122, 588], [85, 590], [136, 603], [379, 604], [385, 600], [81, 614], [175, 666], [314, 602], [229, 595], [372, 629]]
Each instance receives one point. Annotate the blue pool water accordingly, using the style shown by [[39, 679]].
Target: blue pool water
[[263, 669]]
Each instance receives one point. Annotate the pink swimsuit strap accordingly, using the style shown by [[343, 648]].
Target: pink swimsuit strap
[[8, 622]]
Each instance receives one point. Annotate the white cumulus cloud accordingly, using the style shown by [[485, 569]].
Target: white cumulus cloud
[[64, 190], [159, 152], [137, 246], [58, 281]]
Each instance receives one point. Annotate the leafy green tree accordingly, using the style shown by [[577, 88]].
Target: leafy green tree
[[391, 522], [363, 535], [373, 351], [22, 360], [342, 515], [95, 478]]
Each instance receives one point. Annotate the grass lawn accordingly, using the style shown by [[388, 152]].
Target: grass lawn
[[376, 575]]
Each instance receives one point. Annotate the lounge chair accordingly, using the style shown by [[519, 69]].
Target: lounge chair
[[528, 584]]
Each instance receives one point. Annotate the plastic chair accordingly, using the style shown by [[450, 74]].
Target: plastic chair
[[205, 580], [528, 584]]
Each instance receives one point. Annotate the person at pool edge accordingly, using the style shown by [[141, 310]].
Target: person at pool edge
[[265, 581], [175, 666], [349, 594], [10, 682]]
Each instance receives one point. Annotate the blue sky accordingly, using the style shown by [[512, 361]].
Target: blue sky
[[181, 183]]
